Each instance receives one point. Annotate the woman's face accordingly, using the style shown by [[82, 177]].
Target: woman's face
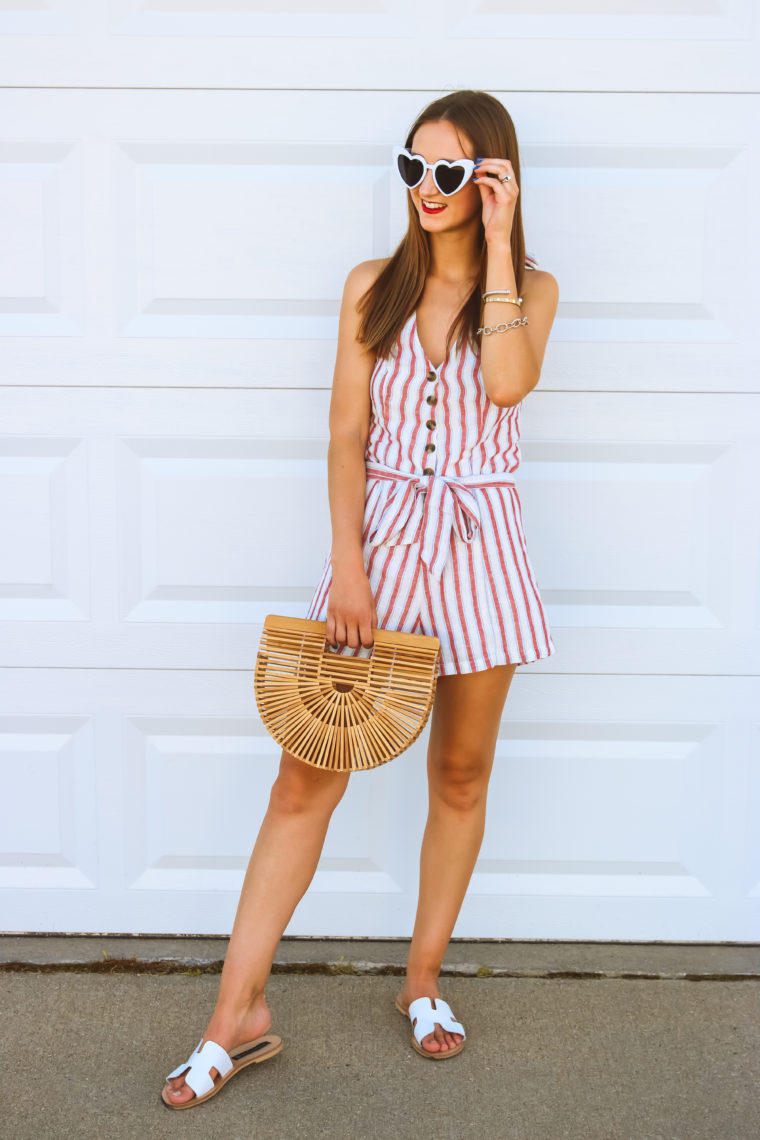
[[437, 212]]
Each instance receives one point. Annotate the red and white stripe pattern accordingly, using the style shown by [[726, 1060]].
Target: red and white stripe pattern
[[445, 552]]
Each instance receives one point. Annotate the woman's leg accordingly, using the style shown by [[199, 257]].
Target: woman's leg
[[463, 732], [280, 869]]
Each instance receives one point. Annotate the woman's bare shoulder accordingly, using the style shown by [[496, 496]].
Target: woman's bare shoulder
[[364, 275], [540, 283]]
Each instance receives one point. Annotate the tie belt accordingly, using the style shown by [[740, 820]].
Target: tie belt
[[438, 503]]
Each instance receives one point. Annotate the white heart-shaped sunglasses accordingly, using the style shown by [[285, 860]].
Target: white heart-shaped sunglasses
[[448, 176]]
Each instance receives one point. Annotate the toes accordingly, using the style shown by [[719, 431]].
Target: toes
[[179, 1091], [441, 1042]]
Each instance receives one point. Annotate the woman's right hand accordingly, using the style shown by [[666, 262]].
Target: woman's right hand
[[351, 613]]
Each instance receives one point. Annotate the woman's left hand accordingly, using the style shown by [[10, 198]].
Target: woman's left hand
[[499, 198]]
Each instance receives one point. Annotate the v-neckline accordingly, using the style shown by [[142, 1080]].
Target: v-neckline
[[422, 350]]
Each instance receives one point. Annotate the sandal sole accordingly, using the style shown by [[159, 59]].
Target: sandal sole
[[239, 1052]]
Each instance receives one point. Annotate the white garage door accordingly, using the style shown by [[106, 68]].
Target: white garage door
[[184, 187]]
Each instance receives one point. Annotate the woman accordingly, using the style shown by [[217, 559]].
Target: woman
[[427, 536]]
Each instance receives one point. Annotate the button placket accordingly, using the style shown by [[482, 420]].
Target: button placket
[[431, 400]]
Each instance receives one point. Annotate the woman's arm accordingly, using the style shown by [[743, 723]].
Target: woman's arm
[[351, 613], [511, 361]]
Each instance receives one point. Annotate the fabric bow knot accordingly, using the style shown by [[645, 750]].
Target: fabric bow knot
[[436, 503]]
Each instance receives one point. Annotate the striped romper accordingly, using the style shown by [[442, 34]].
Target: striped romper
[[444, 546]]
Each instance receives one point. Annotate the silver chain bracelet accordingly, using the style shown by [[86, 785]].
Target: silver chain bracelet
[[488, 329]]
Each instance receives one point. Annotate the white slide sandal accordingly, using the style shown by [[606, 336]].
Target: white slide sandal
[[212, 1056], [424, 1018]]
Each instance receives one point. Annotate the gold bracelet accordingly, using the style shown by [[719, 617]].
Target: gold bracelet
[[502, 301]]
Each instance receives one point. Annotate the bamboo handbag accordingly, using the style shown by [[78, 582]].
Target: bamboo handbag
[[338, 712]]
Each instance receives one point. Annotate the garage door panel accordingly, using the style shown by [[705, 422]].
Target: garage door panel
[[233, 240], [177, 774], [670, 46], [646, 532], [48, 761], [660, 537], [42, 268], [221, 530], [45, 552], [267, 18], [619, 839], [196, 792]]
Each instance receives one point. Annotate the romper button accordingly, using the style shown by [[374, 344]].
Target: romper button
[[430, 424], [429, 447], [431, 376], [432, 400], [428, 471]]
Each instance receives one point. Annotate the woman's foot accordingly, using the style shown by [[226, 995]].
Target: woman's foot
[[228, 1030], [439, 1041]]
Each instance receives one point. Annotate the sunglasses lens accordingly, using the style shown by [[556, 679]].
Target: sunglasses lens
[[448, 179], [410, 169]]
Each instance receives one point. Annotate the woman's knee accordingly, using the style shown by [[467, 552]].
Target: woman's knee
[[460, 779], [300, 787]]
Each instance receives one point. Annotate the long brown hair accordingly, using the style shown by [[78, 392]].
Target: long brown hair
[[391, 300]]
